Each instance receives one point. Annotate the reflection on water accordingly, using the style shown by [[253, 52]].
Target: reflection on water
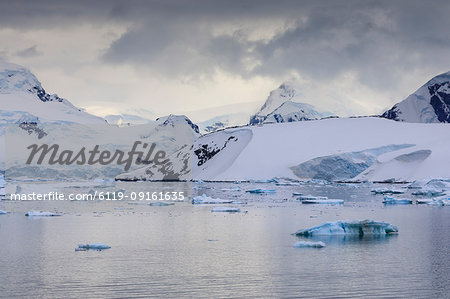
[[184, 250]]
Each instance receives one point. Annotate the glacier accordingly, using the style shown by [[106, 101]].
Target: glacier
[[346, 227]]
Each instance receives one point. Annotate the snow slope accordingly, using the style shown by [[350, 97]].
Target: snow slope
[[21, 92], [429, 104], [396, 151]]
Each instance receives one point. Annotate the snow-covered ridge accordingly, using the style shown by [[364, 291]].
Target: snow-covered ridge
[[21, 91], [429, 104]]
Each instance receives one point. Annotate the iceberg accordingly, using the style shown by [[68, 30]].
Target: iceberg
[[396, 201], [352, 227], [203, 199], [41, 214], [95, 246], [225, 209], [305, 244], [260, 191], [3, 212], [387, 191]]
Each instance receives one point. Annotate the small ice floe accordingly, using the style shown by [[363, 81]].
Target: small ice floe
[[396, 201], [264, 181], [310, 244], [423, 201], [225, 210], [261, 191], [238, 203], [3, 212], [311, 197], [41, 214], [441, 201], [349, 227], [429, 192], [297, 194], [327, 201], [286, 184], [231, 189], [94, 246], [203, 199], [387, 191], [160, 204]]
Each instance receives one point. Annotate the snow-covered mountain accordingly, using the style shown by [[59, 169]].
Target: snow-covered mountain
[[29, 115], [280, 107], [23, 97], [360, 149], [429, 104], [176, 121]]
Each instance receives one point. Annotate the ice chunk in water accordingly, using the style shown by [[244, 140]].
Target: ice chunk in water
[[3, 212], [349, 227], [396, 201], [260, 191], [323, 201], [225, 209], [203, 199], [96, 246], [304, 244], [387, 191], [160, 204], [310, 197], [440, 201], [41, 214]]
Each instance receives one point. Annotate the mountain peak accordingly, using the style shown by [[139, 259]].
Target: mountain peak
[[280, 107], [173, 120]]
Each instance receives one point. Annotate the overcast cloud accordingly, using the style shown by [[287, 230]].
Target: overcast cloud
[[350, 57]]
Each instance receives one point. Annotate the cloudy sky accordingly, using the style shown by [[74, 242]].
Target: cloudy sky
[[348, 57]]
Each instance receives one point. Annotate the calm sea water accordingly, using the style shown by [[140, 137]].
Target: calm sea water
[[184, 250]]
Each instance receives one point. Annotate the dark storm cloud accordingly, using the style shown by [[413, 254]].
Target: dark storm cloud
[[378, 40]]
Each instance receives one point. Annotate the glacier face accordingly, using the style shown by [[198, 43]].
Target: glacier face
[[342, 166], [429, 104]]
